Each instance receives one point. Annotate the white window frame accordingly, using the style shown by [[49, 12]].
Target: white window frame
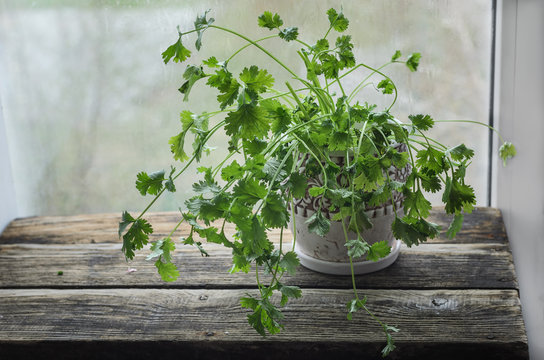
[[519, 114]]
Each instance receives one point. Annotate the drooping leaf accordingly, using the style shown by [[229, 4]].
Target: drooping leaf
[[168, 271], [192, 74], [290, 262], [455, 225], [357, 248], [177, 52], [201, 24], [274, 212], [298, 184], [318, 224], [507, 151], [150, 184], [378, 250], [413, 61]]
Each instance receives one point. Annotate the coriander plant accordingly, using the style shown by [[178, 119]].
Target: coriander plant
[[277, 128]]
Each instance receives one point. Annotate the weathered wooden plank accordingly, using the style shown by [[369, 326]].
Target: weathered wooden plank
[[483, 225], [205, 323], [428, 266]]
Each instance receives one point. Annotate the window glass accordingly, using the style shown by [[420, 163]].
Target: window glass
[[88, 102]]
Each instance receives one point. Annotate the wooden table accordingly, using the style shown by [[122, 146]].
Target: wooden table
[[451, 299]]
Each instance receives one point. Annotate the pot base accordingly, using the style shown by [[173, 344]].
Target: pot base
[[340, 268]]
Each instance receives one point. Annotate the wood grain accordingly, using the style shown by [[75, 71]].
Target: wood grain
[[483, 225], [428, 266], [451, 299], [211, 321]]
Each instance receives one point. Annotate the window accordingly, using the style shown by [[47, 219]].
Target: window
[[88, 102]]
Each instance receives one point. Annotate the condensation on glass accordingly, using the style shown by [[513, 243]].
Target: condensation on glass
[[88, 102]]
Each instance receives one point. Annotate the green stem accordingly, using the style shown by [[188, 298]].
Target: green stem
[[248, 45], [259, 47], [473, 122]]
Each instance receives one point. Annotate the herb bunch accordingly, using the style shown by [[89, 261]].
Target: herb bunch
[[311, 117]]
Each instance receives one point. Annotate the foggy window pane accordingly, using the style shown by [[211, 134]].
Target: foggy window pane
[[88, 102]]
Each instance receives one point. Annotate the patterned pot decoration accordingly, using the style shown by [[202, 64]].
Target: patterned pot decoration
[[328, 254]]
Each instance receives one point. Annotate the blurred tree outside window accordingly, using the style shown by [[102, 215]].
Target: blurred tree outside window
[[88, 102]]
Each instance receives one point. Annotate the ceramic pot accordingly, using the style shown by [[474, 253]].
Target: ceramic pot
[[328, 254]]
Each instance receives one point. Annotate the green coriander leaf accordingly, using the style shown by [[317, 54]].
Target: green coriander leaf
[[168, 271], [460, 152], [150, 184], [507, 151], [455, 225], [232, 172], [248, 121], [413, 61], [212, 62], [249, 191], [318, 224], [321, 45], [389, 347], [272, 167], [422, 122], [192, 74], [357, 248], [163, 247], [169, 184], [298, 184], [457, 196], [256, 80], [256, 320], [254, 147], [205, 186], [255, 240], [415, 204], [202, 24], [378, 250], [136, 237], [274, 212], [126, 220], [289, 34], [177, 51], [316, 191], [396, 56], [249, 303], [290, 262], [337, 20], [270, 21], [387, 86], [279, 116], [293, 292], [399, 159], [431, 159], [176, 146], [413, 231], [430, 182], [339, 141]]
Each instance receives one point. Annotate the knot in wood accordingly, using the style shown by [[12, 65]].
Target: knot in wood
[[203, 297]]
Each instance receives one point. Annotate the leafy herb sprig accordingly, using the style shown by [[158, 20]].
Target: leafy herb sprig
[[310, 118]]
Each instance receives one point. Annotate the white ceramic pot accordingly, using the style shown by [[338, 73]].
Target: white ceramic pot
[[328, 254]]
